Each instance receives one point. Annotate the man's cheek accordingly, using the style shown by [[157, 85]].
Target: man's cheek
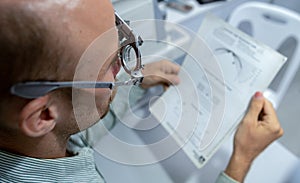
[[103, 99], [102, 96]]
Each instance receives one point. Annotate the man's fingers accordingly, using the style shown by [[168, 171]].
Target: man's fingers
[[175, 68], [256, 106], [272, 119], [171, 79], [162, 72], [268, 108], [171, 67], [170, 73]]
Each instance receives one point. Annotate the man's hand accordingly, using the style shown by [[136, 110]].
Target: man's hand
[[259, 128], [162, 72]]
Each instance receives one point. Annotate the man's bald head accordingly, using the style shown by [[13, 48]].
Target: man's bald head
[[43, 40], [42, 37]]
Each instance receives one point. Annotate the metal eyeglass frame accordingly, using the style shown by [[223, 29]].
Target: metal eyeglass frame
[[128, 41]]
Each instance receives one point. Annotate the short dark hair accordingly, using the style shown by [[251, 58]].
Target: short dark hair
[[22, 44], [29, 49]]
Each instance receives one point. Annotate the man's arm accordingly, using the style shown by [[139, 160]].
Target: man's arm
[[259, 128]]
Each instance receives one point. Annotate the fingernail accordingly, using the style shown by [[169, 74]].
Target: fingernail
[[258, 95]]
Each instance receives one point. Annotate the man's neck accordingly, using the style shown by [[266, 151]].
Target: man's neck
[[47, 147]]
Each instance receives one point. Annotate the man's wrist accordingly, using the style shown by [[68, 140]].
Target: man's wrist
[[238, 166]]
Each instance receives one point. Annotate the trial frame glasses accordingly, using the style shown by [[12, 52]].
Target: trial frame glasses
[[129, 44]]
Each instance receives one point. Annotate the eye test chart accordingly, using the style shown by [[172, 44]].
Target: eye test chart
[[215, 91]]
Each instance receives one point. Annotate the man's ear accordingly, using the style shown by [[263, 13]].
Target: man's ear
[[38, 117]]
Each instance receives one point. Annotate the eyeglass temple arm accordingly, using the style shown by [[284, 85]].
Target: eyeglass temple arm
[[32, 90]]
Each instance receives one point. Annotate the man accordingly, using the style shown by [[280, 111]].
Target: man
[[42, 40]]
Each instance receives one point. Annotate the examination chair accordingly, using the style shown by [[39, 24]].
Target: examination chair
[[279, 28]]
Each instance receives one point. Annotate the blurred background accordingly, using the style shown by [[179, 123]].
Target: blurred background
[[279, 161]]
